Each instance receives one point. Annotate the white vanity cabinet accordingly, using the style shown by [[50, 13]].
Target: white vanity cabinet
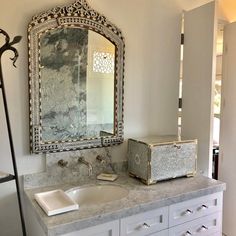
[[199, 216]]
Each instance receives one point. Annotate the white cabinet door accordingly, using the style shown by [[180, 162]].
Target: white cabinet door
[[199, 60], [107, 229], [228, 129]]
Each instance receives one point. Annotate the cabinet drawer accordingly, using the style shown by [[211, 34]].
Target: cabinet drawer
[[206, 226], [107, 229], [145, 223], [216, 234], [189, 210], [161, 233]]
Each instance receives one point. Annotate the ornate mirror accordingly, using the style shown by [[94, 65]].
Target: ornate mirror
[[76, 69]]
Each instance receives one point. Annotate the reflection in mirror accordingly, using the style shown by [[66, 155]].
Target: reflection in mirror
[[76, 70], [77, 84], [100, 85]]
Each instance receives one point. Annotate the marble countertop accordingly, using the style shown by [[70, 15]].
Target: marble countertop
[[141, 198]]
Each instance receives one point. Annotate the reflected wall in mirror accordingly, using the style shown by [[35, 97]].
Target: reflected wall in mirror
[[76, 64]]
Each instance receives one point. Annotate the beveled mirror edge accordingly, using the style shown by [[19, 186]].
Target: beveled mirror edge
[[78, 14]]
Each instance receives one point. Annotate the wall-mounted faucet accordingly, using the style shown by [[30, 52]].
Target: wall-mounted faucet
[[106, 161], [83, 161]]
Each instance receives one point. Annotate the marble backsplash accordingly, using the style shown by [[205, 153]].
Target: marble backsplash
[[74, 171]]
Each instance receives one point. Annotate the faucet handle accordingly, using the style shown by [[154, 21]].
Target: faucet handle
[[100, 159]]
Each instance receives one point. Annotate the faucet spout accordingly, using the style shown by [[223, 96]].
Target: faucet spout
[[90, 168]]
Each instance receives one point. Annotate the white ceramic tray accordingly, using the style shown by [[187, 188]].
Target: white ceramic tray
[[55, 202]]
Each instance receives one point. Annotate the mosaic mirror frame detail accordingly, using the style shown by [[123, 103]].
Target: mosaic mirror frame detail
[[77, 15]]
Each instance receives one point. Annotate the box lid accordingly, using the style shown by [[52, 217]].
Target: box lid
[[163, 139]]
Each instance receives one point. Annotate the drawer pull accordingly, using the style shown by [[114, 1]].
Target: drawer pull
[[203, 228], [203, 207], [188, 212], [146, 226], [177, 146], [188, 233]]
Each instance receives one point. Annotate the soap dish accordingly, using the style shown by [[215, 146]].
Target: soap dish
[[107, 177], [55, 202]]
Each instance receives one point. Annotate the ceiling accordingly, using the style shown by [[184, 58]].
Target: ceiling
[[228, 9]]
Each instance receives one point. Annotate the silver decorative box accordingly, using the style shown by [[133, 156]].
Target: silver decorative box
[[157, 158]]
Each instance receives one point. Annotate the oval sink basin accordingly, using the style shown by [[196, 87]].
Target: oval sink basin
[[96, 194]]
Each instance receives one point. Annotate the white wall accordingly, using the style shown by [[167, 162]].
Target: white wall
[[228, 130], [151, 29]]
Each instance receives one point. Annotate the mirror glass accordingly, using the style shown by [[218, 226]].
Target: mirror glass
[[76, 80], [77, 84]]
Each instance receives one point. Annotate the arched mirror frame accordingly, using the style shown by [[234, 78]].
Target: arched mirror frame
[[78, 15]]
